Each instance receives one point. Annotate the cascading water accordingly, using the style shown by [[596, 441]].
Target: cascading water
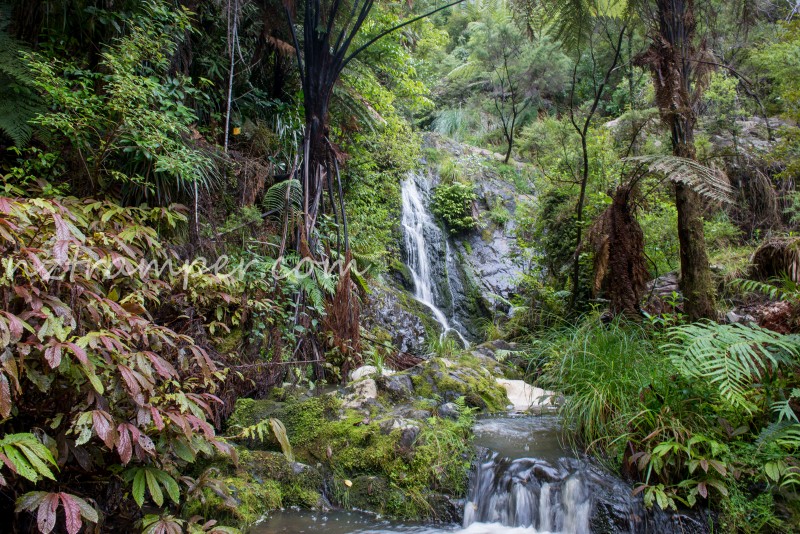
[[417, 223], [528, 493], [511, 493]]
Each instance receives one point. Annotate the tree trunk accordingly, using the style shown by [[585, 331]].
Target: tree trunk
[[671, 58], [696, 282], [508, 151]]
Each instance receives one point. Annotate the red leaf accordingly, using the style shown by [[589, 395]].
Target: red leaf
[[5, 396], [147, 444], [53, 355], [124, 446], [103, 427], [702, 489], [8, 462], [73, 513], [157, 419], [130, 379], [79, 353], [46, 518], [15, 326], [41, 270], [164, 368], [5, 205]]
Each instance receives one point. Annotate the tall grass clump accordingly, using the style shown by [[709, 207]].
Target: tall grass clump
[[603, 372]]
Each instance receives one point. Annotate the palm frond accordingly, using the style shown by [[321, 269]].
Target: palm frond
[[709, 182]]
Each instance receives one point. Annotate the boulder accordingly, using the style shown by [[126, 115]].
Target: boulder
[[398, 386], [362, 393], [449, 410], [526, 398]]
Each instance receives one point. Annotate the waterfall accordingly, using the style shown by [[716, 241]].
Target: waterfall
[[417, 224], [528, 493]]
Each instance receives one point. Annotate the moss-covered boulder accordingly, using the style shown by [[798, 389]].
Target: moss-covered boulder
[[261, 481], [471, 376], [397, 453]]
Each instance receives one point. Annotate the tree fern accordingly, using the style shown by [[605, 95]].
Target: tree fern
[[18, 102], [731, 357], [709, 182]]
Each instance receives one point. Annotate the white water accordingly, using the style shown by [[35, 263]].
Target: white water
[[527, 493], [416, 221]]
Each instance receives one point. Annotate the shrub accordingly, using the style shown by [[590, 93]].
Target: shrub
[[90, 384], [453, 203]]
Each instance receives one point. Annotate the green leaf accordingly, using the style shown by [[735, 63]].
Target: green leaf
[[139, 487], [152, 486], [170, 485]]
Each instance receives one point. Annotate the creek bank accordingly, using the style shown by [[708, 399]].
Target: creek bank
[[397, 444]]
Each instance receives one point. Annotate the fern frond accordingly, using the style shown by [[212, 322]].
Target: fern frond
[[283, 197], [772, 291], [572, 21], [731, 357], [709, 182], [18, 101]]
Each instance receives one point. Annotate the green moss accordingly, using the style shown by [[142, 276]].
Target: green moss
[[261, 481], [468, 377], [401, 272], [398, 475], [399, 470], [249, 499]]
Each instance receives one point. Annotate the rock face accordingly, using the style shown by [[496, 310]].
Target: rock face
[[396, 314], [474, 273]]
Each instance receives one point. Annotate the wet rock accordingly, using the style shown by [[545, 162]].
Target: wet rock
[[470, 377], [408, 436], [399, 317], [526, 398], [409, 430], [368, 370], [544, 471], [363, 392], [399, 387], [449, 410], [409, 412], [733, 317]]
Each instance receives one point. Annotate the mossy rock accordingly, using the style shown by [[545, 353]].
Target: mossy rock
[[471, 377], [347, 445], [401, 273], [237, 500], [261, 482]]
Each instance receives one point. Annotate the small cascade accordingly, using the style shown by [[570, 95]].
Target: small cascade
[[417, 224], [528, 493]]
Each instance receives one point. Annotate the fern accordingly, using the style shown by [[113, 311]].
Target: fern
[[731, 357], [709, 182], [18, 102], [284, 197], [261, 430], [788, 290]]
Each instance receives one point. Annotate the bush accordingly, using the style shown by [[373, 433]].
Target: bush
[[87, 376], [700, 412], [453, 203]]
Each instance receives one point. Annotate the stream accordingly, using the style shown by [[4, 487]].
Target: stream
[[523, 481]]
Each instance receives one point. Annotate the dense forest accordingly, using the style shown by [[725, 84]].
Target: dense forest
[[262, 254]]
